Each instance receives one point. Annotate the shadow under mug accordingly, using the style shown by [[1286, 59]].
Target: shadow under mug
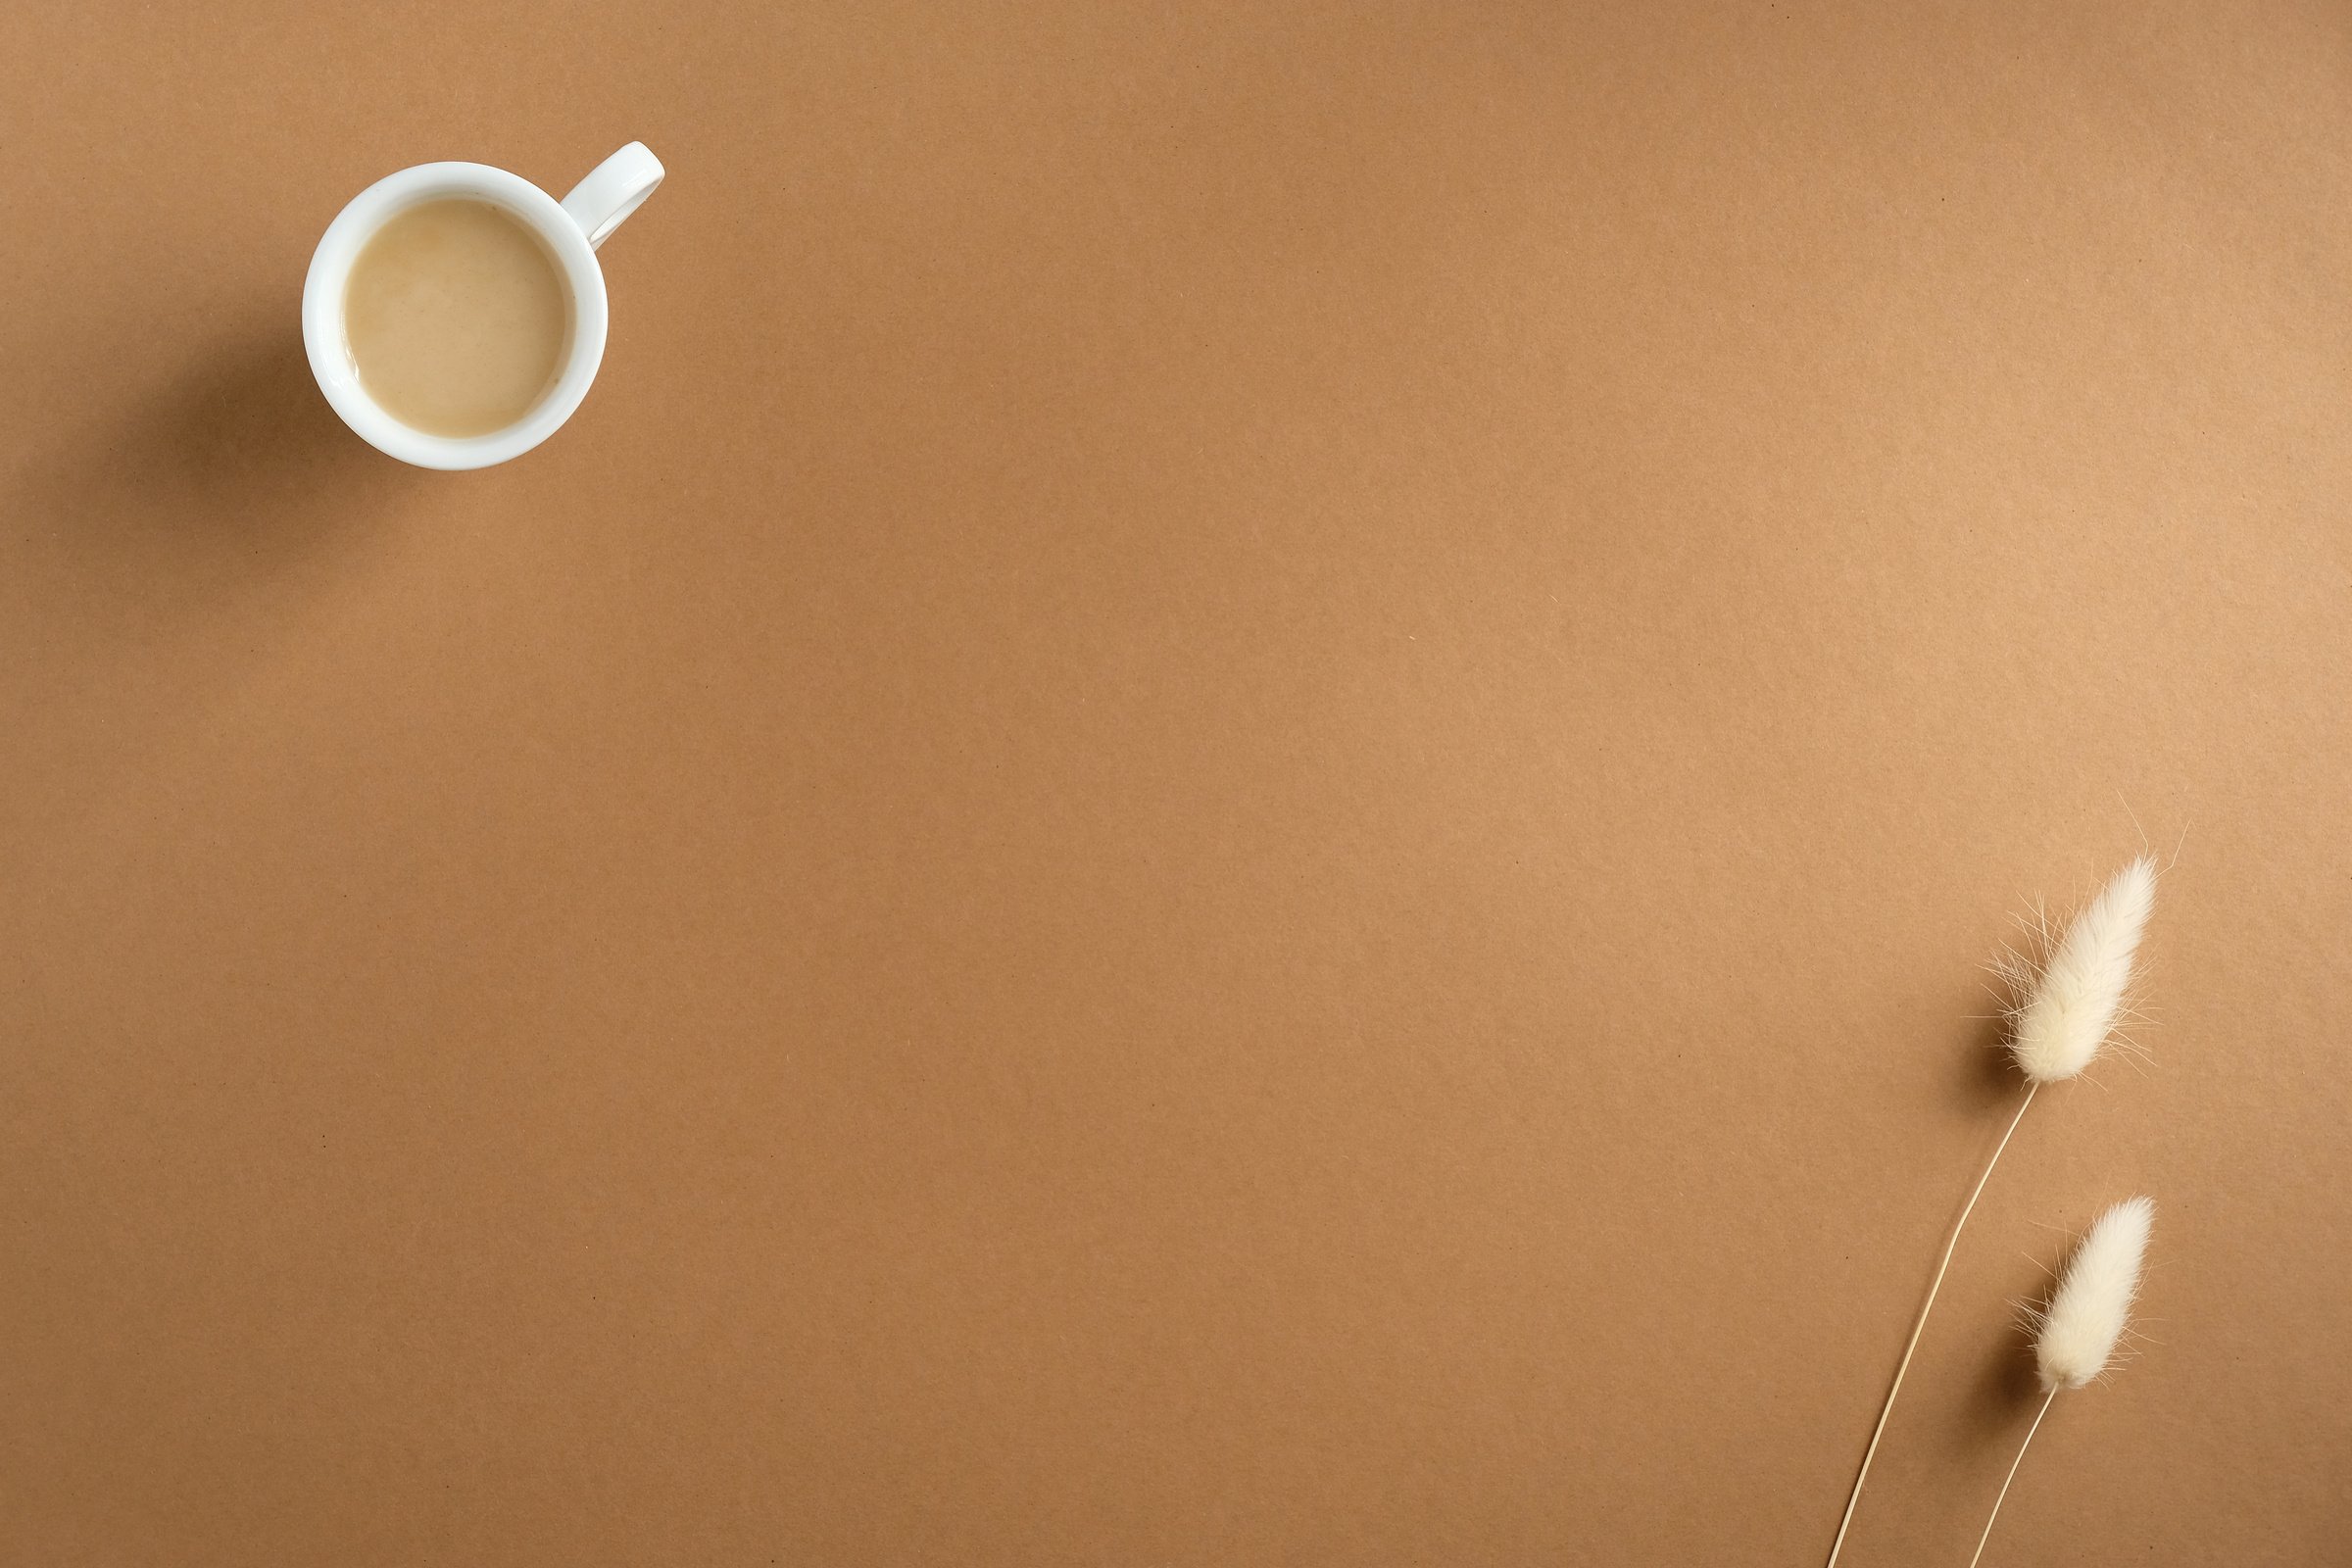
[[571, 229]]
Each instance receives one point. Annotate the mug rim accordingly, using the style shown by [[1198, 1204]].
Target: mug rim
[[324, 341]]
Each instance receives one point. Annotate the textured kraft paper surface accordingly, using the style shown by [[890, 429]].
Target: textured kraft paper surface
[[1236, 800]]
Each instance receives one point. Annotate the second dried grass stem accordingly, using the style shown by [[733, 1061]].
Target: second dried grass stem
[[2011, 1476]]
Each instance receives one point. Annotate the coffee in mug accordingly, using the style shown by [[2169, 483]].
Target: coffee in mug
[[455, 313], [455, 317]]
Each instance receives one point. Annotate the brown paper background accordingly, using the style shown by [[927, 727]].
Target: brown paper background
[[1235, 800]]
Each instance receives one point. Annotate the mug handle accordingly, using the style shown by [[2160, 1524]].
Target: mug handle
[[613, 190]]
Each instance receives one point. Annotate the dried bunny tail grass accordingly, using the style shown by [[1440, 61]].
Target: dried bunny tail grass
[[2085, 1319], [2069, 1003], [2068, 1014]]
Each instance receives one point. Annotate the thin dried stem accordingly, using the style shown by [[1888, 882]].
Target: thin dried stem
[[1920, 1327], [2011, 1476]]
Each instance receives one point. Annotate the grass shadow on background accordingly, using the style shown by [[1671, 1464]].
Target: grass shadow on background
[[2006, 1388], [1989, 1081]]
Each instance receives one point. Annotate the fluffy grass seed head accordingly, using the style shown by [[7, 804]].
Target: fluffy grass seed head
[[2086, 1316], [2070, 1010]]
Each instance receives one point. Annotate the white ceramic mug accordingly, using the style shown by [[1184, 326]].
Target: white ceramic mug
[[571, 229]]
